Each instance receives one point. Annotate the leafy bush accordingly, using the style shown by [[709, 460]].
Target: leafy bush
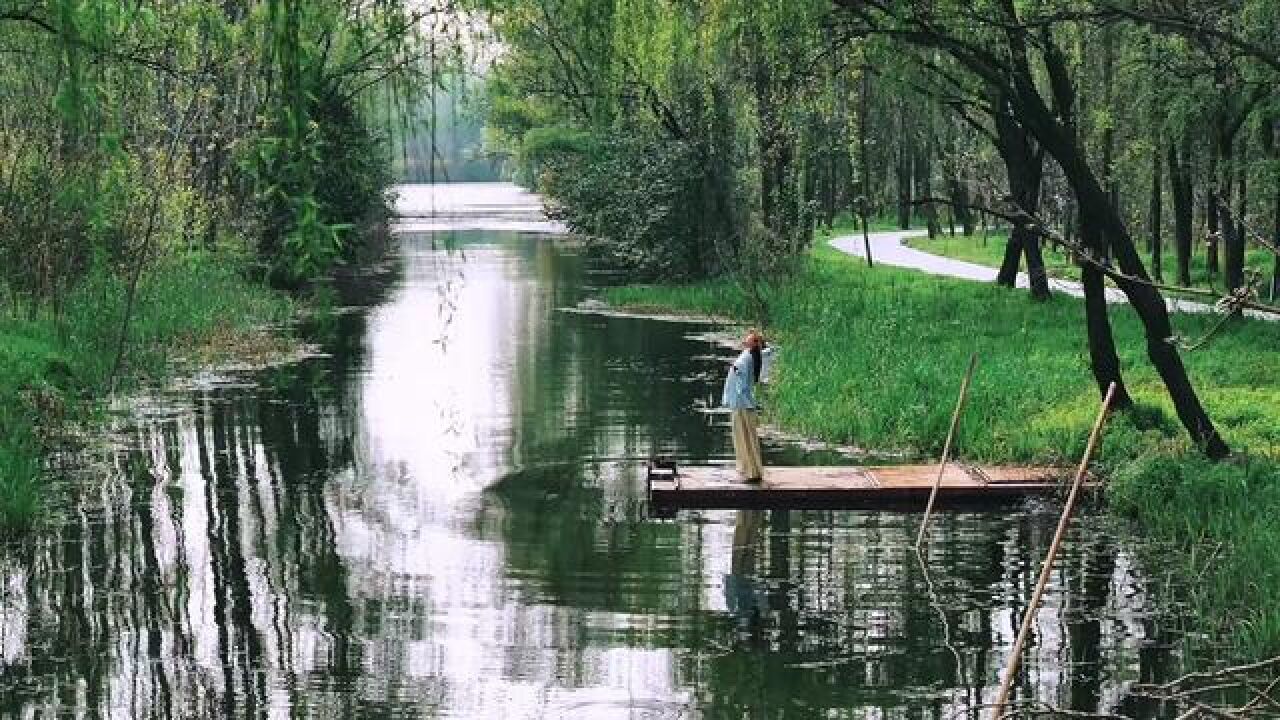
[[320, 174], [635, 198]]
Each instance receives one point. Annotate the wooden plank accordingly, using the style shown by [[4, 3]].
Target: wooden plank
[[886, 486]]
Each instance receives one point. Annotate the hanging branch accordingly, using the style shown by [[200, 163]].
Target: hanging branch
[[131, 56]]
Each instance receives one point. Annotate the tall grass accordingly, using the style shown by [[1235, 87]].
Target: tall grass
[[51, 366], [874, 358], [1220, 520]]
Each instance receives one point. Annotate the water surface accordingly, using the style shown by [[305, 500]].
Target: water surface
[[444, 517]]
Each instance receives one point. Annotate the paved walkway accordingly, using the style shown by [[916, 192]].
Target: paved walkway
[[890, 248]]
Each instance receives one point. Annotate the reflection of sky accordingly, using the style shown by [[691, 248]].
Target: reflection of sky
[[13, 613], [470, 206], [438, 411], [433, 391]]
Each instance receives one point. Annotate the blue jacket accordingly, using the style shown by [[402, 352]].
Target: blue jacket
[[737, 386]]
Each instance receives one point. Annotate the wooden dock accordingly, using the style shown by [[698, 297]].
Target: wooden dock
[[889, 486]]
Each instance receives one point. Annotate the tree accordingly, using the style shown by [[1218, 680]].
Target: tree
[[1000, 51]]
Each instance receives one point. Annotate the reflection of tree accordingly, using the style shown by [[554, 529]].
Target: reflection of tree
[[850, 627], [588, 403], [182, 583], [591, 387]]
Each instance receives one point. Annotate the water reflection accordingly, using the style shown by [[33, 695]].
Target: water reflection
[[742, 593], [444, 517]]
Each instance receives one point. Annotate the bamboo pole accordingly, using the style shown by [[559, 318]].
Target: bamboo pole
[[1016, 657], [946, 448]]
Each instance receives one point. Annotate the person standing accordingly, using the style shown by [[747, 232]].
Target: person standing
[[738, 397]]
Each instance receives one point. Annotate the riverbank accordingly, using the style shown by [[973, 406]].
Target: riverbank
[[54, 371], [874, 358]]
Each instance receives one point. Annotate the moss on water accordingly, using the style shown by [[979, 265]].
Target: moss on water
[[874, 358]]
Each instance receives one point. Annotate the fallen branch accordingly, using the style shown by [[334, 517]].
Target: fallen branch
[[1189, 691]]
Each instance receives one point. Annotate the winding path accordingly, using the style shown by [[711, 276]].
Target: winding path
[[890, 248]]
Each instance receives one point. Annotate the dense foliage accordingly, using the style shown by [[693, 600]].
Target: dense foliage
[[161, 160], [135, 129], [676, 134]]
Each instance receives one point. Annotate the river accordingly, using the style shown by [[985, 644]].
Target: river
[[442, 514]]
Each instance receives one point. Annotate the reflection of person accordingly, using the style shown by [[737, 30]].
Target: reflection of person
[[740, 590], [738, 397]]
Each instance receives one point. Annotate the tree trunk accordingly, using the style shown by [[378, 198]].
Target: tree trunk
[[1024, 166], [924, 186], [1234, 235], [768, 193], [864, 202], [906, 153], [1275, 270], [849, 183], [768, 138], [1100, 213], [788, 223], [1103, 359], [1146, 301], [1213, 213], [1108, 132], [830, 195], [1007, 275], [1070, 220], [1156, 208], [960, 206], [1037, 276], [1183, 209]]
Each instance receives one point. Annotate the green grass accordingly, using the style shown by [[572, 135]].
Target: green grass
[[874, 358], [51, 368]]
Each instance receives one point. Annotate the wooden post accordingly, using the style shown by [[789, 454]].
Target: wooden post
[[1016, 657], [946, 449]]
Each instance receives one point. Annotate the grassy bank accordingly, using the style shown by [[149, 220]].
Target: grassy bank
[[875, 357], [51, 369]]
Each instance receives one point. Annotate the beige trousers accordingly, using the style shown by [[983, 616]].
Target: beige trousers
[[746, 444]]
